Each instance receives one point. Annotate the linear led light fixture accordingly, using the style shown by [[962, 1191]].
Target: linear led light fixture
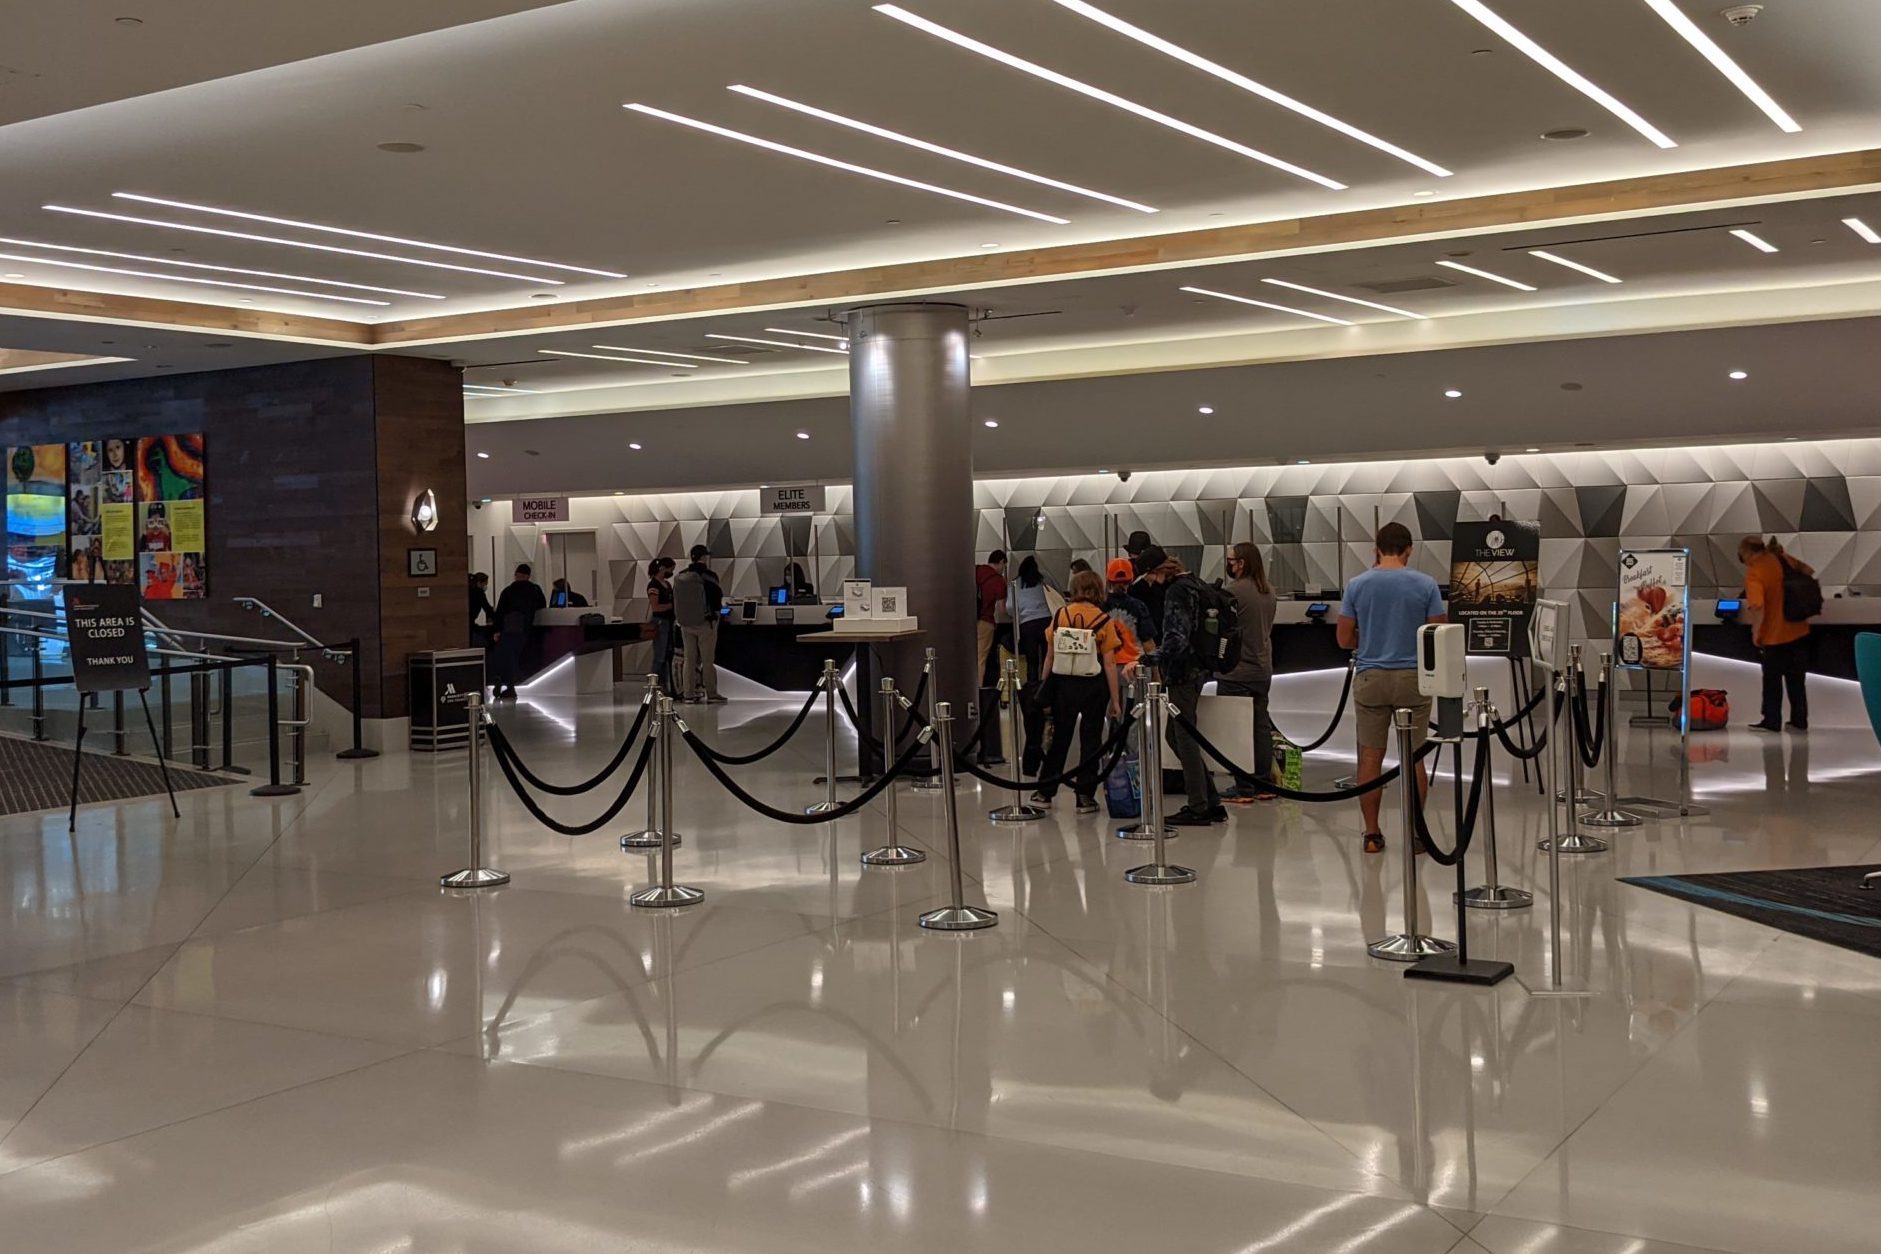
[[752, 339], [1350, 300], [661, 352], [178, 278], [1862, 229], [294, 243], [1545, 255], [883, 132], [1563, 71], [850, 166], [1246, 84], [1248, 300], [1484, 274], [814, 335], [1688, 31], [377, 239], [1097, 93], [198, 265], [1755, 240], [632, 361]]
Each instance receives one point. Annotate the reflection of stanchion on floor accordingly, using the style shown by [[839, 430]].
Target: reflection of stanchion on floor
[[1558, 691], [1492, 895], [829, 681], [1016, 811], [1161, 871], [649, 837], [476, 875], [929, 783], [957, 916], [666, 893], [1573, 839], [1410, 945], [892, 851], [1610, 814]]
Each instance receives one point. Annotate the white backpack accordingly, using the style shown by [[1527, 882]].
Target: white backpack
[[1074, 649]]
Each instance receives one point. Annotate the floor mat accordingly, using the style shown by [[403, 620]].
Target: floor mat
[[1823, 903], [36, 775]]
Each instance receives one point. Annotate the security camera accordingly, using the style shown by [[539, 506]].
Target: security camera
[[1741, 14], [1123, 476], [476, 505], [1492, 456]]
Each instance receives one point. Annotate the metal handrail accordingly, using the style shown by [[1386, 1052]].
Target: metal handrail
[[159, 629], [67, 642], [268, 611]]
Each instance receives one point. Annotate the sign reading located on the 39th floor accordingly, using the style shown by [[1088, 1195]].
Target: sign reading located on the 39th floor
[[106, 626], [792, 498], [537, 509]]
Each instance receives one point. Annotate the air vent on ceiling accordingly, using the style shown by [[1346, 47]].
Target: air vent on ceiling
[[1392, 287]]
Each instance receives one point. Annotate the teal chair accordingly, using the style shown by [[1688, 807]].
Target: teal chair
[[1868, 669]]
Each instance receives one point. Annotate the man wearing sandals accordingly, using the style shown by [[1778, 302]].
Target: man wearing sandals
[[1379, 618]]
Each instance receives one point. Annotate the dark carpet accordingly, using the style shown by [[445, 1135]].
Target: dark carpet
[[1823, 903], [37, 775]]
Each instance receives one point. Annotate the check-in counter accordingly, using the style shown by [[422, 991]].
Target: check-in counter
[[1833, 631], [759, 642], [594, 646]]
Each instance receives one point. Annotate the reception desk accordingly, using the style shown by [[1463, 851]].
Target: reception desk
[[1833, 633]]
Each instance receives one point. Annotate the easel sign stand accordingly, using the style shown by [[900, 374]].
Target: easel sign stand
[[105, 624], [1654, 584]]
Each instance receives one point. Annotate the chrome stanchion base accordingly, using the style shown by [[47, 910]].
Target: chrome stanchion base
[[355, 755], [1577, 842], [1404, 947], [934, 784], [648, 838], [274, 790], [1136, 831], [662, 897], [1016, 814], [823, 807], [1500, 897], [474, 877], [893, 855], [1165, 874], [1611, 816], [958, 919], [1585, 797]]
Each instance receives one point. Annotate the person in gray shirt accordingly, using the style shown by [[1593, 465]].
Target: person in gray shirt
[[1253, 675]]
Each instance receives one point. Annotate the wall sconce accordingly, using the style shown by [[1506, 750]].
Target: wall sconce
[[424, 511]]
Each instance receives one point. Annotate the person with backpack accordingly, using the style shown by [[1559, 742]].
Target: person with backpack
[[1781, 595], [1200, 636], [1253, 675], [1082, 686], [1131, 615], [697, 598]]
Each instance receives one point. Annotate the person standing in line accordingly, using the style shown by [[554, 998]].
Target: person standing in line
[[516, 611], [1028, 600], [1181, 669], [660, 615], [1082, 687], [989, 587], [1131, 615], [1378, 619], [1783, 646], [697, 599], [1253, 675], [1145, 589]]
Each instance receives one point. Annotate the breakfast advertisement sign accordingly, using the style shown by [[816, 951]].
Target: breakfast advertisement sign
[[1652, 628]]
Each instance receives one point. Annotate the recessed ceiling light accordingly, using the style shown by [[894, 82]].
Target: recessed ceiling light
[[634, 361], [633, 445], [485, 456], [1787, 437], [1304, 461], [752, 339], [14, 275], [620, 491], [1545, 255], [401, 147], [542, 296], [954, 153], [179, 278], [1740, 374], [294, 243], [197, 265], [1756, 241], [1688, 31], [1205, 409], [1097, 93], [1862, 229], [992, 422], [803, 435], [1350, 300], [661, 352], [989, 245], [1423, 195], [1484, 274], [1565, 134], [1452, 393], [815, 335], [1532, 450], [833, 163], [1248, 300], [1563, 71], [1246, 84], [352, 234], [128, 21]]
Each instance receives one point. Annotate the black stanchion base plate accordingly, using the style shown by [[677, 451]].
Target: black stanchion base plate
[[1450, 970], [274, 790], [348, 755]]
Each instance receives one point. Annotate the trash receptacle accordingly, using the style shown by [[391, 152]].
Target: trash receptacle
[[439, 680]]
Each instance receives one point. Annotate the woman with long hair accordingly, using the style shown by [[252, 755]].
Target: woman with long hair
[[1253, 675], [1029, 603]]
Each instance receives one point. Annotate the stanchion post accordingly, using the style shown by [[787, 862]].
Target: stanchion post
[[358, 749], [957, 916], [1492, 895], [119, 746], [199, 720], [1015, 811], [1149, 770], [650, 837], [1410, 945], [829, 681], [666, 894], [274, 787], [1610, 814], [1572, 794], [476, 875], [929, 669], [1160, 871], [892, 852]]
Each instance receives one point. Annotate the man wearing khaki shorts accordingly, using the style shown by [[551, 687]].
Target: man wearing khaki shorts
[[1378, 619]]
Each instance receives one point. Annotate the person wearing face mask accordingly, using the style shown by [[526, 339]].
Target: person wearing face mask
[[1253, 676]]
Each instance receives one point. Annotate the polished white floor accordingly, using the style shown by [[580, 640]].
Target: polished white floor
[[263, 1028]]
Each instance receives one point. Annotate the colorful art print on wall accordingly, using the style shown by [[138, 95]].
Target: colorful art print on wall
[[1495, 576], [35, 512], [170, 468], [171, 527], [1651, 629]]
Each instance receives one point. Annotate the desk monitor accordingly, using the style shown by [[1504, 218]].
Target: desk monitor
[[725, 611], [780, 595], [835, 611], [750, 614], [1730, 607]]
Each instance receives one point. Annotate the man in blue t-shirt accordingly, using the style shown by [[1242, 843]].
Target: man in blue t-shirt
[[1379, 618]]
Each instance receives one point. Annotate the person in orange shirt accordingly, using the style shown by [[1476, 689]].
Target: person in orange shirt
[[1782, 646]]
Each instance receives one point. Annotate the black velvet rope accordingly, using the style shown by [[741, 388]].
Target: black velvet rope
[[1115, 747], [1590, 745], [587, 785], [1465, 818], [912, 721], [502, 752], [843, 811], [1293, 794], [758, 755], [1345, 694]]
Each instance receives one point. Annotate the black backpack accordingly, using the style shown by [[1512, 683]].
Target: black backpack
[[1802, 594], [1216, 639]]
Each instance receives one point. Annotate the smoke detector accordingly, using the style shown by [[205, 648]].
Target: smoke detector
[[1741, 14]]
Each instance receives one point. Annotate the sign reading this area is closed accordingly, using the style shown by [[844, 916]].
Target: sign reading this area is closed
[[537, 509], [792, 498]]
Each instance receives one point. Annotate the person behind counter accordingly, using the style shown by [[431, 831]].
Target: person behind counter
[[516, 611], [1783, 645], [563, 597]]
